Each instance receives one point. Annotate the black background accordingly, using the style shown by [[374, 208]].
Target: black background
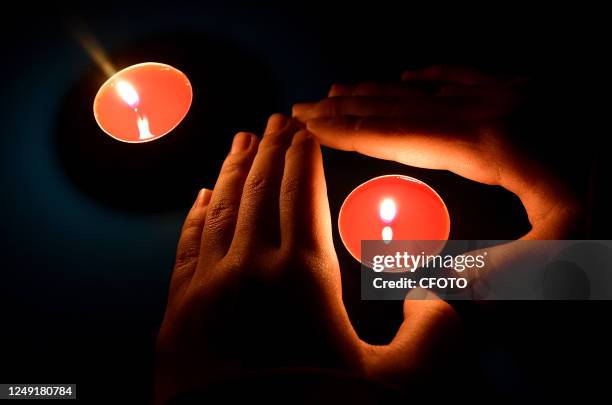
[[90, 225]]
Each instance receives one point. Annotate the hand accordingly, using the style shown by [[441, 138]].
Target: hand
[[256, 284], [450, 119]]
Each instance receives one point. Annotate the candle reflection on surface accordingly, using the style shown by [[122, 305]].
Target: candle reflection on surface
[[143, 102]]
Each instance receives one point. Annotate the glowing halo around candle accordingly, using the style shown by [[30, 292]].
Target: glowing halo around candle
[[392, 207], [143, 102]]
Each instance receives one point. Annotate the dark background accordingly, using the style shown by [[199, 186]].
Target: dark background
[[87, 250]]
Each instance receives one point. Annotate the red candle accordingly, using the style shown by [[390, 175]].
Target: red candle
[[392, 207], [143, 102]]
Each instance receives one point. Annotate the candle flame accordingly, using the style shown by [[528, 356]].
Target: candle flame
[[143, 128], [128, 93], [388, 210]]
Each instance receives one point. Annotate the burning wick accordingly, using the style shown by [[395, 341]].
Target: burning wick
[[129, 94], [387, 234], [143, 102]]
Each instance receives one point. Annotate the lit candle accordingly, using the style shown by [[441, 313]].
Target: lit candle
[[392, 207], [143, 102]]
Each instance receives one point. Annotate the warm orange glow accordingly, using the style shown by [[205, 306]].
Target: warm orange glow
[[127, 93], [93, 48], [143, 102], [390, 208]]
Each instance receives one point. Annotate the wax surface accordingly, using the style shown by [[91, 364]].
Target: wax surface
[[392, 207], [143, 102]]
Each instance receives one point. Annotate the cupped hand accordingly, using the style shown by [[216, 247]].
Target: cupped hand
[[256, 283], [453, 119]]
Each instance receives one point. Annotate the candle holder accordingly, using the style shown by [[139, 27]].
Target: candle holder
[[392, 208], [143, 102]]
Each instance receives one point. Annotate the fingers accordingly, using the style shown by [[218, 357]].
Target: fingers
[[418, 82], [417, 89], [305, 217], [422, 107], [188, 249], [476, 154], [428, 327], [447, 73], [460, 106], [375, 89], [223, 207], [258, 219], [429, 145]]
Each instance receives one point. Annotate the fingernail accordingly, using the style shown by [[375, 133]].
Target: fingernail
[[204, 196], [241, 142], [276, 122], [301, 109]]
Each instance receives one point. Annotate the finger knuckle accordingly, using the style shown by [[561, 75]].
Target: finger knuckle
[[248, 261], [308, 258], [243, 253], [235, 260], [235, 166], [193, 224], [257, 184], [302, 256], [292, 187], [219, 213], [187, 255], [303, 245]]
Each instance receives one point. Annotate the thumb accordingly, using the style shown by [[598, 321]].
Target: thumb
[[429, 328]]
